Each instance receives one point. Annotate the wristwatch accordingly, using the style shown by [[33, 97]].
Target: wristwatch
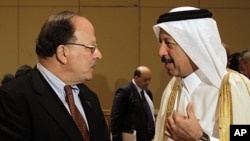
[[204, 137]]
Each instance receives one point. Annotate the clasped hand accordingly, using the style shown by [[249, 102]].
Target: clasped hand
[[183, 128]]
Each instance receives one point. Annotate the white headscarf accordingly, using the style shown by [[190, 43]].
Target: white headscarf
[[200, 40]]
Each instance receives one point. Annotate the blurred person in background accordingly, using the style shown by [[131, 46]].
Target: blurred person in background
[[7, 77], [132, 114], [244, 63], [22, 70], [233, 61]]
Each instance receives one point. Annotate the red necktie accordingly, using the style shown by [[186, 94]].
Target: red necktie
[[76, 115]]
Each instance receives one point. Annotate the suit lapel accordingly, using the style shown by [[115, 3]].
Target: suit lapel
[[88, 106], [93, 113], [54, 107], [138, 96]]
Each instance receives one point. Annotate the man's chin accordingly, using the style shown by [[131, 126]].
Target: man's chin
[[171, 73], [88, 78]]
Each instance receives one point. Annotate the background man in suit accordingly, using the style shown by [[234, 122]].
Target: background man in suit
[[128, 114], [35, 108]]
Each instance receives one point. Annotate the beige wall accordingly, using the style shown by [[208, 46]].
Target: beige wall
[[124, 35]]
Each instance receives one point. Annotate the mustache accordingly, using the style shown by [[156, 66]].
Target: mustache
[[166, 60]]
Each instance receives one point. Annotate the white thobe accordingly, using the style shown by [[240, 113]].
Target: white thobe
[[204, 97]]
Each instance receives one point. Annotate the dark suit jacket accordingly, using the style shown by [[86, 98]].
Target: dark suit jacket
[[31, 111], [128, 113]]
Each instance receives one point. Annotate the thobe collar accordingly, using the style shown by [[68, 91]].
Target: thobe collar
[[191, 82]]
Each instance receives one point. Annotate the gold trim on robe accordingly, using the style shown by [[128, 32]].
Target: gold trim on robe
[[225, 104]]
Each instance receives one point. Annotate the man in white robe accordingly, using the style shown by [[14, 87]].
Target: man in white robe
[[203, 98]]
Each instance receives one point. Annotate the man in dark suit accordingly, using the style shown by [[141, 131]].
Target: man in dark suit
[[130, 118], [35, 107]]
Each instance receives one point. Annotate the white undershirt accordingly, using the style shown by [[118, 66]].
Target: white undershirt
[[204, 98]]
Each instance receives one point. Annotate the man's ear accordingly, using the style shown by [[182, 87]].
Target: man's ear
[[61, 54]]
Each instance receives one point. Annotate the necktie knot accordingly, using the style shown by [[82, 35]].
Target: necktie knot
[[68, 90], [142, 94]]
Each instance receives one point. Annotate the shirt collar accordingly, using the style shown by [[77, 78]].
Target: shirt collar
[[56, 83], [191, 82], [137, 87]]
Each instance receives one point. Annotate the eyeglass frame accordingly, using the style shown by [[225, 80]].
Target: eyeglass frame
[[91, 47]]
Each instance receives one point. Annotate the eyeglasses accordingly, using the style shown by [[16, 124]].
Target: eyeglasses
[[91, 47]]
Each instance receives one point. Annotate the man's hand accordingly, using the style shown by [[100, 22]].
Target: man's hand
[[181, 128]]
